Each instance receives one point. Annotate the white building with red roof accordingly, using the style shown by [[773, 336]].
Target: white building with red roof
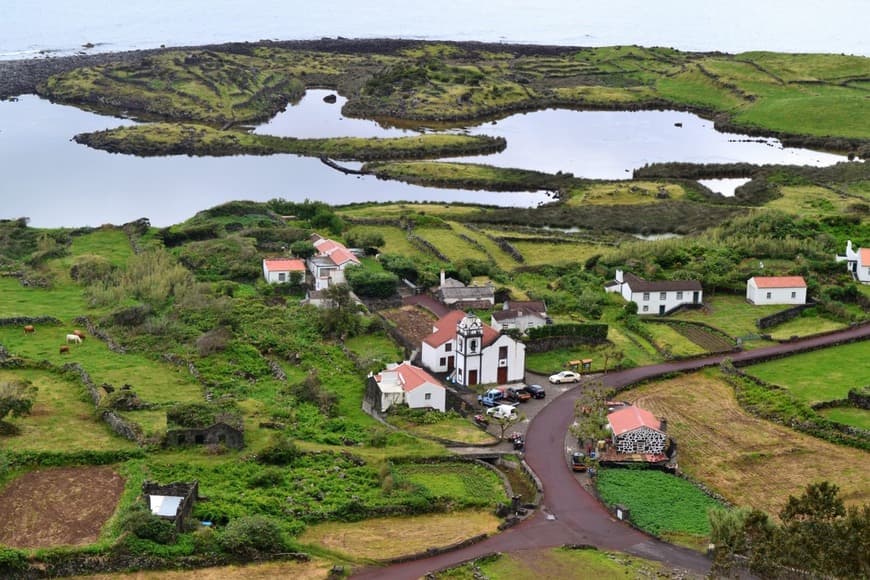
[[857, 262], [404, 384], [472, 352], [636, 430], [776, 290], [279, 270], [327, 266]]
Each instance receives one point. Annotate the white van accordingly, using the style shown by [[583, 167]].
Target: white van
[[502, 412]]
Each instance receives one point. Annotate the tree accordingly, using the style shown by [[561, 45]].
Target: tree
[[368, 240], [612, 354], [16, 398], [303, 249], [590, 413], [340, 318], [505, 421]]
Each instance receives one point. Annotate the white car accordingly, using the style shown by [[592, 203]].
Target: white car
[[565, 377], [502, 412]]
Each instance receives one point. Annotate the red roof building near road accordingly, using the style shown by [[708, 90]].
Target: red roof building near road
[[445, 329], [630, 418], [780, 282]]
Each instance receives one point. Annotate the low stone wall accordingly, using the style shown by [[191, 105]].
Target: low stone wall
[[25, 320], [429, 552], [782, 316], [95, 331]]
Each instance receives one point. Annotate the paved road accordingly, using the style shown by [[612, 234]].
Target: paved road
[[570, 515]]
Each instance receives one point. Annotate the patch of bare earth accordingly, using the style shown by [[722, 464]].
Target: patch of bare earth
[[58, 507], [411, 322], [752, 462]]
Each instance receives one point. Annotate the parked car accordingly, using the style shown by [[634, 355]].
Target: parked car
[[502, 412], [491, 398], [517, 394], [536, 391], [565, 377], [578, 461]]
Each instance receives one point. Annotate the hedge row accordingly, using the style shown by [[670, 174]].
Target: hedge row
[[590, 332]]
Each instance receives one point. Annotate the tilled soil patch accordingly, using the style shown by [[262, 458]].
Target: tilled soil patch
[[58, 507]]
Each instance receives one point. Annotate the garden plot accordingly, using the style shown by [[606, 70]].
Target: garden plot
[[58, 507], [750, 461], [413, 323]]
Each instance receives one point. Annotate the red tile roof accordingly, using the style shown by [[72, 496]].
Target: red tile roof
[[282, 265], [445, 328], [864, 256], [413, 377], [341, 256], [779, 282], [630, 418]]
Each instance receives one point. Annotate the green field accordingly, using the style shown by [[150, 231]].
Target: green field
[[464, 483], [818, 376], [660, 503], [848, 416], [732, 315]]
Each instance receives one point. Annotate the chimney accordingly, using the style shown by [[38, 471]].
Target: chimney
[[443, 279], [619, 276]]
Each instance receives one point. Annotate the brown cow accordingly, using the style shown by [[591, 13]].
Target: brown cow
[[64, 350], [29, 328], [79, 334]]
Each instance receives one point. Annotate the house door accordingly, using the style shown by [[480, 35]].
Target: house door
[[450, 364], [661, 310], [502, 375], [472, 378], [694, 297]]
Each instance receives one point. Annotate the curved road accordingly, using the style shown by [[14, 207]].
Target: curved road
[[570, 515]]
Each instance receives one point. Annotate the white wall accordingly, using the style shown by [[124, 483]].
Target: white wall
[[775, 295], [654, 301], [431, 357], [416, 398]]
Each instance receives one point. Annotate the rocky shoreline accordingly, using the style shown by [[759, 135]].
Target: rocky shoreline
[[19, 77]]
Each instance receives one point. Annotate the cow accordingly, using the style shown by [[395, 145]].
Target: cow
[[73, 338], [29, 329], [64, 350], [79, 334]]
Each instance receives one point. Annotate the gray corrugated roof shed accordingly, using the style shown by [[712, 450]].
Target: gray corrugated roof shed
[[164, 505]]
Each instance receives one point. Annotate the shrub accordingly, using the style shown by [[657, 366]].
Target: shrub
[[249, 536], [213, 341], [270, 477], [282, 451], [140, 521], [90, 268], [374, 284], [12, 560]]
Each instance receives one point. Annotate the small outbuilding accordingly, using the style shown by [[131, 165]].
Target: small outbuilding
[[173, 501], [636, 430], [404, 383], [776, 290]]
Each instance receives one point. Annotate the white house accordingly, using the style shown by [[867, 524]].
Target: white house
[[279, 270], [658, 296], [472, 352], [404, 383], [857, 262], [327, 266], [636, 430], [776, 290], [521, 315]]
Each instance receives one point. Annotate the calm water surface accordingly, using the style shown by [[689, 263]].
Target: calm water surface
[[57, 182], [63, 26]]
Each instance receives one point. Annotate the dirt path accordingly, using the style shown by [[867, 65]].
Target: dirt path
[[570, 515]]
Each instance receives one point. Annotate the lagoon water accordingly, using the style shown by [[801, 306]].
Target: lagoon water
[[57, 182], [64, 26]]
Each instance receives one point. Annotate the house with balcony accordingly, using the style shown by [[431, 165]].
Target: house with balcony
[[403, 384], [328, 264]]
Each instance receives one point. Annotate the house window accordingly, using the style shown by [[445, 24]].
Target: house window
[[502, 352], [448, 347], [428, 396], [768, 295], [442, 362], [646, 308], [679, 295], [794, 294], [646, 295], [282, 277], [663, 295]]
